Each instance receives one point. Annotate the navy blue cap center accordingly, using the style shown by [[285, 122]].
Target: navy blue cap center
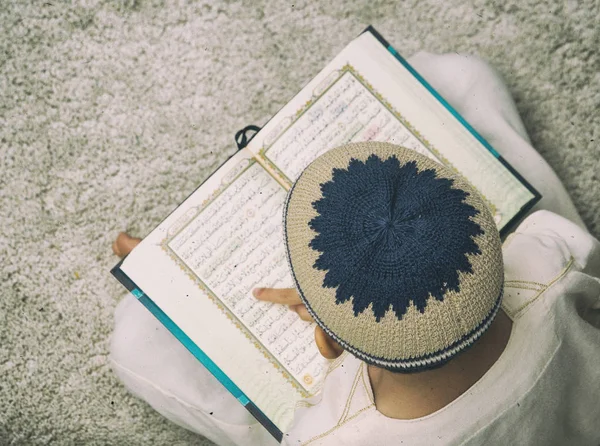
[[389, 234]]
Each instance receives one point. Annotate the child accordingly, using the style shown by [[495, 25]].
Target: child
[[494, 344]]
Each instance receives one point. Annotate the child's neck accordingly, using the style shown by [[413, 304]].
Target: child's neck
[[415, 395]]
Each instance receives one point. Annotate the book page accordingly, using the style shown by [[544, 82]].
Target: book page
[[365, 94], [200, 266], [346, 112]]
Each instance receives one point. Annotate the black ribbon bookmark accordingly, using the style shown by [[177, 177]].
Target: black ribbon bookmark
[[242, 139]]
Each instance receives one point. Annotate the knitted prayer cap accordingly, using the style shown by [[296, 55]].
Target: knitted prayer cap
[[395, 256]]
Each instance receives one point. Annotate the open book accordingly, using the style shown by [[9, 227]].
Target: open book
[[196, 270]]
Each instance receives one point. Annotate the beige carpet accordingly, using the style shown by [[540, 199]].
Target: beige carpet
[[112, 112]]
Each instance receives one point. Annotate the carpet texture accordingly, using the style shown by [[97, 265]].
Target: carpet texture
[[112, 112]]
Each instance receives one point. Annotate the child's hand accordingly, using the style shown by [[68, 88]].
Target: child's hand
[[285, 296], [288, 296], [124, 244]]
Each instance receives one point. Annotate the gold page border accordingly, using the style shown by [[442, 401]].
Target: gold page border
[[164, 244], [348, 68]]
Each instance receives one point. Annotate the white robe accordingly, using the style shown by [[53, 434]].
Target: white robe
[[545, 387]]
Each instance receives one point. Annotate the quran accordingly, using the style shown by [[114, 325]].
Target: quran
[[196, 270]]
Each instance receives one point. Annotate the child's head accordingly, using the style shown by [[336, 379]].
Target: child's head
[[395, 256]]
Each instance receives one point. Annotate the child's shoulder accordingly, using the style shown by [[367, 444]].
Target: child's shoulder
[[345, 399], [542, 250]]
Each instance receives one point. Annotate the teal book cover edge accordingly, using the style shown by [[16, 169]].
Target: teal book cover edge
[[144, 299], [536, 195]]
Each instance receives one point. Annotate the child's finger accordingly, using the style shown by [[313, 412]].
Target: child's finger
[[302, 312], [286, 296]]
